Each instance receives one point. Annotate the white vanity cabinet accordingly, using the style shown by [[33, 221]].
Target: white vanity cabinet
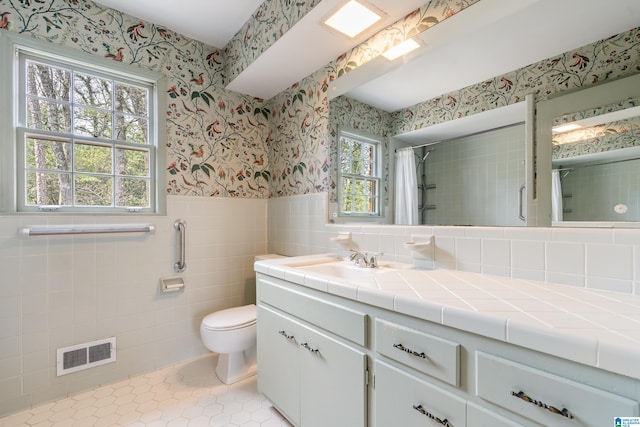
[[329, 360], [313, 378]]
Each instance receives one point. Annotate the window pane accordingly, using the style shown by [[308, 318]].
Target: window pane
[[371, 188], [345, 148], [132, 162], [131, 99], [346, 185], [370, 208], [356, 151], [93, 190], [92, 158], [356, 167], [367, 168], [48, 188], [131, 129], [345, 165], [45, 154], [47, 115], [132, 192], [49, 82], [91, 122], [367, 151], [92, 91], [347, 203]]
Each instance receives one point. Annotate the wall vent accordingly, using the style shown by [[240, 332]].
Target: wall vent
[[85, 356]]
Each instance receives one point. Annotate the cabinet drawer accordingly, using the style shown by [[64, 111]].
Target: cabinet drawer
[[340, 320], [404, 400], [546, 398], [434, 356], [478, 416]]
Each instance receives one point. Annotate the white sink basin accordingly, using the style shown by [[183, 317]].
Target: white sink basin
[[347, 271]]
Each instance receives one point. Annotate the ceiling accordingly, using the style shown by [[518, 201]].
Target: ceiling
[[306, 47], [213, 22], [487, 39]]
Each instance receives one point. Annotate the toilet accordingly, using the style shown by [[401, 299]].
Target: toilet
[[232, 334]]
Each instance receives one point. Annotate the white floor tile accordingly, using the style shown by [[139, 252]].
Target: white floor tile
[[185, 395]]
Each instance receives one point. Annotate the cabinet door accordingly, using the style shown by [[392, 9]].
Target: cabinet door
[[333, 386], [278, 361], [404, 400]]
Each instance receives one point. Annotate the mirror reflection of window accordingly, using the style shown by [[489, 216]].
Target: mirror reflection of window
[[358, 175]]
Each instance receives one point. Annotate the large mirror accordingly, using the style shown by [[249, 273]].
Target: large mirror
[[468, 171], [491, 174], [589, 156]]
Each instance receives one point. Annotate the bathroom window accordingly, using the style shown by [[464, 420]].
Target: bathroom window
[[358, 174], [86, 135]]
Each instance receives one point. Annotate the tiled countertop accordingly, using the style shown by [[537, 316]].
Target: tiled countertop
[[596, 328]]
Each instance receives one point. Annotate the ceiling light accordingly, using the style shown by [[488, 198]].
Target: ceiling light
[[401, 49], [353, 18], [565, 128]]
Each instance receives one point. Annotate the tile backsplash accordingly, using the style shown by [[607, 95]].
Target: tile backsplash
[[598, 258]]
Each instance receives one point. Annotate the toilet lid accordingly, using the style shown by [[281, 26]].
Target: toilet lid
[[231, 318]]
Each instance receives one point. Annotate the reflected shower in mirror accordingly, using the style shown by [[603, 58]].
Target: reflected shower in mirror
[[471, 180], [589, 140], [596, 157]]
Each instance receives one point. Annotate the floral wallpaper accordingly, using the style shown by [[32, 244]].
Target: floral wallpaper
[[602, 138], [594, 112], [419, 20], [220, 143], [267, 24], [611, 58], [300, 161], [299, 148], [215, 138], [353, 114]]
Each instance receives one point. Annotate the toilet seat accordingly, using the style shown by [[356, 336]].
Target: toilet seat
[[231, 318]]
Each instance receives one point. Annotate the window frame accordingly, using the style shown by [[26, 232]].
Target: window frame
[[377, 177], [13, 125]]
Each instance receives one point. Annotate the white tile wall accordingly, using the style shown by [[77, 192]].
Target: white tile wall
[[604, 258], [58, 291], [63, 290]]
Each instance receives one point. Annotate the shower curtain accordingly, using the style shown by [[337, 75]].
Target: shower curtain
[[406, 189], [556, 196]]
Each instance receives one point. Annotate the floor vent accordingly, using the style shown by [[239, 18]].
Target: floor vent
[[85, 356]]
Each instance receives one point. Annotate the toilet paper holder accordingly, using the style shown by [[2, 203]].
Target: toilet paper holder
[[171, 284]]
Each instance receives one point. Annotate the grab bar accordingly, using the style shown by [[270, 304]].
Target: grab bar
[[521, 203], [181, 264], [89, 230]]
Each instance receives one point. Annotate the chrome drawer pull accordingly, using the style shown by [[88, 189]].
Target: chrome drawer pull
[[564, 411], [308, 347], [411, 352], [429, 415], [284, 334]]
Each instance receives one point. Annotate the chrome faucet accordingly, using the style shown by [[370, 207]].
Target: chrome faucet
[[363, 259]]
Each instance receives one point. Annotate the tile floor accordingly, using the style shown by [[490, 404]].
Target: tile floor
[[184, 395]]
